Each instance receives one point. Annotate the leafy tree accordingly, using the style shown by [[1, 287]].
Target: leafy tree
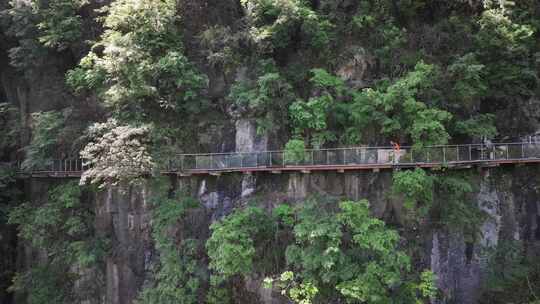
[[392, 109], [234, 246], [334, 255], [362, 269], [116, 153], [398, 112], [140, 71]]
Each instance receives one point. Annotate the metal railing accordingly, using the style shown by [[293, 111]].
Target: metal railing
[[337, 157], [437, 155]]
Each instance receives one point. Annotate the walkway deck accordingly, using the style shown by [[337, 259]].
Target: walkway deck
[[339, 159]]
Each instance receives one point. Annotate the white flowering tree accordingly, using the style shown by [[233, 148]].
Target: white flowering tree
[[116, 154]]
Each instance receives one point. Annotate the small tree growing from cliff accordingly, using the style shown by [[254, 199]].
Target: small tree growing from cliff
[[116, 154]]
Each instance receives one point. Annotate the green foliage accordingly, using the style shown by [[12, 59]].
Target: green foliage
[[39, 25], [142, 73], [480, 126], [45, 285], [45, 139], [446, 197], [428, 287], [62, 228], [177, 278], [301, 293], [11, 127], [398, 112], [232, 247], [9, 197], [8, 192], [60, 23], [285, 214], [20, 21], [347, 251], [469, 85], [222, 47], [295, 151], [310, 118], [267, 98], [277, 23], [217, 295], [514, 274], [505, 46], [417, 188], [456, 208]]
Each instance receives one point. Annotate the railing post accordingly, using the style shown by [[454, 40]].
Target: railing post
[[444, 154], [470, 153], [482, 152], [522, 151], [344, 157], [270, 156], [211, 161], [327, 157], [241, 160], [412, 158], [457, 153], [312, 158], [196, 162], [182, 162]]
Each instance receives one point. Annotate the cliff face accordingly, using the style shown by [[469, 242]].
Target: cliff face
[[507, 195]]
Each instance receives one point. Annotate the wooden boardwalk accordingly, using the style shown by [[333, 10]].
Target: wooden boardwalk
[[338, 160]]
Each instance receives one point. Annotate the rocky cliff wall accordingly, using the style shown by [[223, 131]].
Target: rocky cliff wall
[[508, 196]]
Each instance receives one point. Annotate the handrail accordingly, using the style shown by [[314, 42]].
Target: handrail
[[334, 157], [358, 147]]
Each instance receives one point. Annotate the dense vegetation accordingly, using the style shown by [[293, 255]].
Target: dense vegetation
[[141, 82]]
